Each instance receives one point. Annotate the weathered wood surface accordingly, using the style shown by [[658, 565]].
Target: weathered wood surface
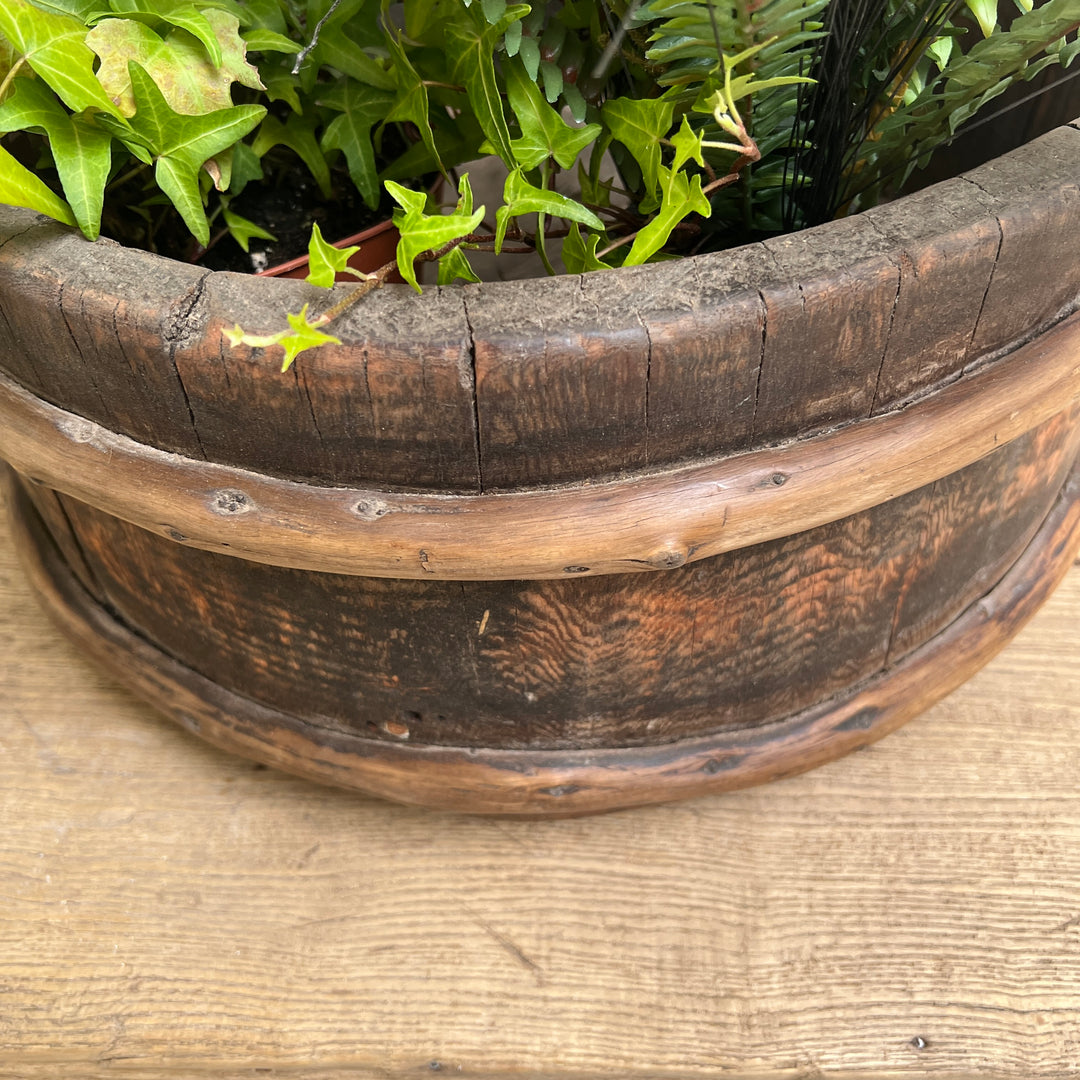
[[427, 393], [646, 523], [910, 911], [726, 643], [833, 648]]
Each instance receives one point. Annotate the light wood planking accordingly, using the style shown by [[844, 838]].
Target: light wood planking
[[169, 911]]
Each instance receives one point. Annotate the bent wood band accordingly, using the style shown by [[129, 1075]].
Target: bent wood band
[[567, 545]]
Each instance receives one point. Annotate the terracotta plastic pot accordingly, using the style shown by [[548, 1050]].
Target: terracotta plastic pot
[[567, 545], [377, 247]]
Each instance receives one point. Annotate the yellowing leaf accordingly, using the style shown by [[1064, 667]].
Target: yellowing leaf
[[20, 187], [178, 63]]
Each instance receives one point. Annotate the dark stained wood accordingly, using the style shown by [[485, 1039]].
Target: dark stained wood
[[413, 564], [735, 641], [95, 327], [947, 249], [560, 377], [961, 564], [579, 378], [705, 324], [1037, 189], [650, 522], [393, 407], [827, 326], [564, 783], [49, 507]]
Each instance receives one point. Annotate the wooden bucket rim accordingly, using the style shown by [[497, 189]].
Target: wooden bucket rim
[[648, 522]]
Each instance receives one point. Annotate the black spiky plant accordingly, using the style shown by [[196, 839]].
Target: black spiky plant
[[895, 79]]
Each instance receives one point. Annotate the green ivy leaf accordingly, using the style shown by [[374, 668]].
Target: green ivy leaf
[[985, 12], [296, 133], [544, 133], [20, 187], [339, 52], [180, 144], [246, 167], [55, 48], [579, 254], [470, 45], [262, 40], [455, 265], [361, 108], [687, 145], [521, 197], [412, 98], [244, 231], [639, 126], [682, 196], [306, 335], [189, 81], [79, 147], [422, 232], [282, 85], [325, 261], [529, 51]]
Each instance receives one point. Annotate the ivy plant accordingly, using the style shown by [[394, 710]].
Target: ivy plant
[[683, 124]]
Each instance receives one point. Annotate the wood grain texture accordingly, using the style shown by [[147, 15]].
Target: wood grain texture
[[563, 782], [170, 912], [649, 522], [729, 643]]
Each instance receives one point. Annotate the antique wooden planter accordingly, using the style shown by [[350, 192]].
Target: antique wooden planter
[[567, 545]]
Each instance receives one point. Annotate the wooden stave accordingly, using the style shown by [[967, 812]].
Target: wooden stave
[[543, 784]]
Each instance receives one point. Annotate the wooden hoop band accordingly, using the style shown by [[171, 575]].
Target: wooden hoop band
[[651, 521]]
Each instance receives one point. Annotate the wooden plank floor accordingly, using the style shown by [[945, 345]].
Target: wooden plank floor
[[168, 911]]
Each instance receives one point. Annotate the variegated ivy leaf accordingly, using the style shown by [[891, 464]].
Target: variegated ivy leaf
[[188, 80], [521, 197], [179, 13], [54, 46], [325, 261], [422, 232], [179, 144], [80, 148]]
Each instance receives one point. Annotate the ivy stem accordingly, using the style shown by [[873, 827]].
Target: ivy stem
[[11, 75], [380, 277], [541, 220]]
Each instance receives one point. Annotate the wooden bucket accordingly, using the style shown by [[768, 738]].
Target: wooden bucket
[[559, 546]]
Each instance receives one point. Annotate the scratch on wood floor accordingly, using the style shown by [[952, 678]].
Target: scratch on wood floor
[[507, 945]]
